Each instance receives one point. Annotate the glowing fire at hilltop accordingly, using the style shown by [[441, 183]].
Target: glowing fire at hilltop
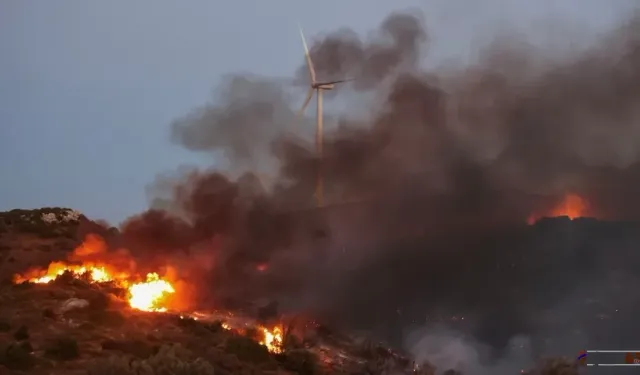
[[146, 295], [572, 206]]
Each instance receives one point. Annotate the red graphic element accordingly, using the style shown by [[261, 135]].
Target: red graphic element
[[632, 358]]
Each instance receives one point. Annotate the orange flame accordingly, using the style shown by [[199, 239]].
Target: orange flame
[[572, 206], [95, 273], [272, 339], [148, 295]]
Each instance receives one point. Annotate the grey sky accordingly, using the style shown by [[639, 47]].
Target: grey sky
[[88, 88]]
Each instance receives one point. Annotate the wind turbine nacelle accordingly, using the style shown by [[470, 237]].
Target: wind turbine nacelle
[[327, 86]]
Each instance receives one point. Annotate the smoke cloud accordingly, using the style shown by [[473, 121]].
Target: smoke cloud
[[429, 200]]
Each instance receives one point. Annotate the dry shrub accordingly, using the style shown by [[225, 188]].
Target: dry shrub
[[63, 348], [108, 318], [22, 333], [224, 363], [300, 361], [247, 350], [198, 328], [136, 348], [170, 360], [15, 356]]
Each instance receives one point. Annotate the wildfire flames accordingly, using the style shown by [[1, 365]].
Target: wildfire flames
[[573, 206], [272, 339], [150, 293], [98, 265], [147, 295]]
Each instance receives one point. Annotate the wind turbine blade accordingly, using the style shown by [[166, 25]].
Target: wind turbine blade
[[312, 71], [306, 102], [338, 81]]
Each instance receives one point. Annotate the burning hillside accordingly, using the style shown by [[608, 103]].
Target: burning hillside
[[463, 165], [116, 273], [150, 293], [145, 295], [92, 270], [79, 298]]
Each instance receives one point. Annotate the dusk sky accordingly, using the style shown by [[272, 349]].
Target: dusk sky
[[88, 88]]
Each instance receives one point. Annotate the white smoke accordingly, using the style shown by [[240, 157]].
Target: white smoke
[[448, 349]]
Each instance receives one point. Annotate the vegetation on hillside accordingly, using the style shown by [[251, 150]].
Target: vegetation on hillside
[[48, 222]]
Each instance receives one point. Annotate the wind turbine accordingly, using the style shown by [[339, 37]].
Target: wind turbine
[[318, 87]]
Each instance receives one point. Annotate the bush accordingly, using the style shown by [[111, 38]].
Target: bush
[[247, 350], [22, 333], [215, 327], [109, 318], [46, 233], [49, 313], [98, 301], [16, 357], [137, 348], [252, 333], [63, 348], [300, 361], [4, 326], [173, 360]]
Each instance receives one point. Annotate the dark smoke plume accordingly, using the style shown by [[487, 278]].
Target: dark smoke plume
[[429, 201]]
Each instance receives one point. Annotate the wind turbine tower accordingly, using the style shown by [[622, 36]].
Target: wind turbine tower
[[318, 87]]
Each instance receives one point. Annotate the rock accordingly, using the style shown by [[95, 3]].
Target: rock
[[22, 333], [73, 304]]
